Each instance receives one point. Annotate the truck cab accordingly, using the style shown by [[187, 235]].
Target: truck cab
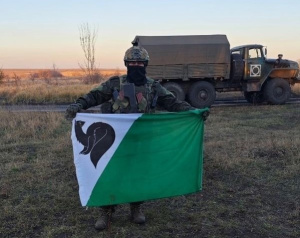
[[253, 57]]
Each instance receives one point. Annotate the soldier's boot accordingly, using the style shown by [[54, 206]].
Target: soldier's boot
[[105, 217], [137, 215]]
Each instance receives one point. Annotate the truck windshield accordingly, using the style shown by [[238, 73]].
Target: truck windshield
[[254, 53]]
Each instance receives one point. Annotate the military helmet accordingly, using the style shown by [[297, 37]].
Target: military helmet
[[136, 53]]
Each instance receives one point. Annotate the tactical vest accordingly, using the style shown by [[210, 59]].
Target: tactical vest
[[129, 98]]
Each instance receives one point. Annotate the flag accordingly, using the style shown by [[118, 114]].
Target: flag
[[121, 158]]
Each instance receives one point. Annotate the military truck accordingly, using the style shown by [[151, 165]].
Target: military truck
[[195, 67]]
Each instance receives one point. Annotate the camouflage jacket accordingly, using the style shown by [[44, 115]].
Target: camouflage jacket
[[113, 98]]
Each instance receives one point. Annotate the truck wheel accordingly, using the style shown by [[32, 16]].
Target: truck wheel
[[176, 89], [202, 94], [277, 91], [254, 97]]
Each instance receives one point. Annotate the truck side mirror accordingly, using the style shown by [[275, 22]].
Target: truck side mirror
[[265, 51]]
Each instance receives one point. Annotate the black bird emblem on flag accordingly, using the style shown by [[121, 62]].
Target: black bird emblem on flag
[[98, 138]]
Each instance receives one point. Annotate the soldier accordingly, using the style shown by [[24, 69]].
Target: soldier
[[131, 93], [278, 61]]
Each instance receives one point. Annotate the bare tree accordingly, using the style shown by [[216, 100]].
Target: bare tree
[[88, 37]]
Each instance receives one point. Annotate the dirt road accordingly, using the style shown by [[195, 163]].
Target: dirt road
[[62, 108]]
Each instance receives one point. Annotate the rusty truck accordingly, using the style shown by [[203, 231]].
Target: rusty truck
[[195, 67]]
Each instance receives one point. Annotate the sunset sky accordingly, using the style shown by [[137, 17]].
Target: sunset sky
[[38, 34]]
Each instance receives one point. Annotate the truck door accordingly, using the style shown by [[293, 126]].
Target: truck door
[[253, 64]]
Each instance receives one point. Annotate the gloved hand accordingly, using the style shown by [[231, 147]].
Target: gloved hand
[[205, 115], [72, 110]]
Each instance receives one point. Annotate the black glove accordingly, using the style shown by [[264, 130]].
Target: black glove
[[72, 110], [205, 115]]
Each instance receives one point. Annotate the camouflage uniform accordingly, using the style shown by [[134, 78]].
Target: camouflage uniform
[[148, 96]]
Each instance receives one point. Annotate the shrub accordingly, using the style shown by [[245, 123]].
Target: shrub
[[2, 76], [49, 74], [33, 76], [93, 78]]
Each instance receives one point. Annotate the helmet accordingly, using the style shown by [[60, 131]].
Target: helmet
[[136, 53]]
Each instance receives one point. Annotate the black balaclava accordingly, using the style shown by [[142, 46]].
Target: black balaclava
[[136, 75]]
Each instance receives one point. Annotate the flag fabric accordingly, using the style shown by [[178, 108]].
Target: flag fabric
[[121, 158]]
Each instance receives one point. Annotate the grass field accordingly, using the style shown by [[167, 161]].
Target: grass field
[[250, 189], [25, 73], [19, 88], [33, 86]]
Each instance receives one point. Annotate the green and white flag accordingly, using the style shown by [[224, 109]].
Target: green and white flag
[[123, 158]]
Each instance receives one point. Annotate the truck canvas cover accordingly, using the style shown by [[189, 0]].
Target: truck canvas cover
[[185, 49], [186, 57]]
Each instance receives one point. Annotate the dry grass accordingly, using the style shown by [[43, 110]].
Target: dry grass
[[34, 86], [251, 180], [42, 93], [71, 73]]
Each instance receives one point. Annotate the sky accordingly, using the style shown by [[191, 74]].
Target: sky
[[43, 33]]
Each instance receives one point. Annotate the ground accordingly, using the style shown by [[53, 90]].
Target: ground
[[251, 180]]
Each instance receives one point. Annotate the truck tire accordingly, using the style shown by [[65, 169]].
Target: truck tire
[[254, 97], [176, 89], [202, 94], [277, 91]]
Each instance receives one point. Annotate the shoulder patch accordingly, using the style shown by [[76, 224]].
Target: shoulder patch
[[114, 82]]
